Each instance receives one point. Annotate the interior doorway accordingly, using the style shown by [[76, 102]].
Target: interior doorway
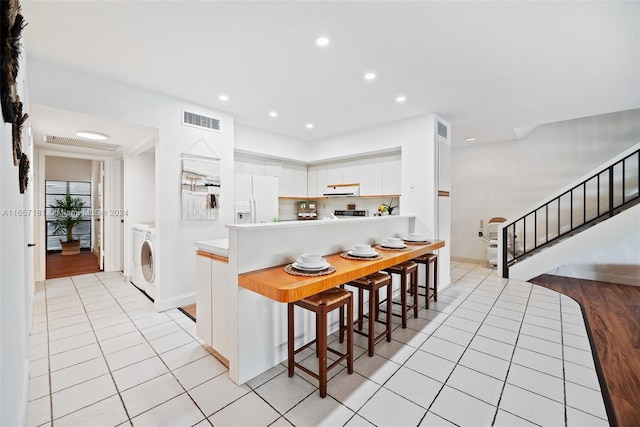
[[81, 181]]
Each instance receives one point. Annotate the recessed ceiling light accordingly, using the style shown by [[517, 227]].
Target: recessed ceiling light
[[96, 136], [309, 125], [370, 76], [470, 139], [400, 99], [223, 98], [273, 113], [322, 41]]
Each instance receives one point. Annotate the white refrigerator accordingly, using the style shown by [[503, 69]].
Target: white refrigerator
[[256, 198]]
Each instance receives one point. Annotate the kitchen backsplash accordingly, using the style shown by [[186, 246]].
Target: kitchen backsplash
[[288, 209]]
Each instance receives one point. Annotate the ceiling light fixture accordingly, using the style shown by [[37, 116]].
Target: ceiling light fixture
[[273, 113], [96, 136], [322, 41], [223, 98], [370, 76], [470, 139], [309, 125], [400, 99]]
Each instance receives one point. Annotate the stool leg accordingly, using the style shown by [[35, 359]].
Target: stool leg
[[414, 286], [427, 273], [340, 324], [321, 343], [350, 335], [372, 322], [403, 299], [361, 308], [435, 280], [389, 296], [291, 338], [376, 298]]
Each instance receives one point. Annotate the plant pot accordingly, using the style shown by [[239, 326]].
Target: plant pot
[[70, 248]]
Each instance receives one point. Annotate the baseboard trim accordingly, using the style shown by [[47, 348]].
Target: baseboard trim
[[175, 302], [24, 401]]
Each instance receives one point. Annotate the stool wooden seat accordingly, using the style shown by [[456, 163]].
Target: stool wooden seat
[[372, 283], [322, 304], [405, 270], [427, 260]]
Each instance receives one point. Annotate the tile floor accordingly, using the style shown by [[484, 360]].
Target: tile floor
[[490, 352]]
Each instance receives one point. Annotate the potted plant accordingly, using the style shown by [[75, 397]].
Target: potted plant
[[68, 214]]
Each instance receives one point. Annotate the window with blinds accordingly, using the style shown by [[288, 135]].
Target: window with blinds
[[53, 191]]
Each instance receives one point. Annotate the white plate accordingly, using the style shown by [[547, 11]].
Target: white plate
[[311, 264], [393, 247], [299, 267], [363, 255]]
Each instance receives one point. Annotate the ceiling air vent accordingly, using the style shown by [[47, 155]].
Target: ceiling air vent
[[197, 120], [443, 130], [74, 142]]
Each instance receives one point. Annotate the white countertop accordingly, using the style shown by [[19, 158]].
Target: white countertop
[[218, 247], [295, 223]]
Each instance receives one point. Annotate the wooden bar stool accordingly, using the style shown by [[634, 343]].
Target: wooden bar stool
[[322, 304], [372, 283], [405, 270], [427, 260]]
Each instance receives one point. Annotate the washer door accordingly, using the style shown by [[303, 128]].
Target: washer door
[[146, 261]]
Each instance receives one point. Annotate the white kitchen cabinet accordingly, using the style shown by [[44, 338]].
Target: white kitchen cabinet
[[294, 180], [286, 183], [273, 168], [211, 302], [254, 166], [312, 181], [390, 173], [334, 173], [300, 180], [322, 180], [366, 172], [203, 298]]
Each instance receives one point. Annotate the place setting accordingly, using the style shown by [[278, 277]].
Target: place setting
[[416, 239], [361, 252], [392, 244], [309, 265]]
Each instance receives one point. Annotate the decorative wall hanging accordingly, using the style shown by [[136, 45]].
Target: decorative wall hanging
[[18, 120], [23, 173], [200, 182], [11, 24]]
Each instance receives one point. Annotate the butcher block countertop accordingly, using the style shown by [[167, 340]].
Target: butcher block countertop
[[276, 284]]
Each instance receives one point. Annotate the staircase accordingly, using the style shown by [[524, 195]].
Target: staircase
[[595, 210]]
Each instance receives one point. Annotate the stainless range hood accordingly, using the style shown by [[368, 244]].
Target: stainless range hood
[[342, 190]]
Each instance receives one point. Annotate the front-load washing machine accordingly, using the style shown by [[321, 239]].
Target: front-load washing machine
[[143, 268]]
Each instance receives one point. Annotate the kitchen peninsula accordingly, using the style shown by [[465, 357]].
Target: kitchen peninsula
[[240, 297]]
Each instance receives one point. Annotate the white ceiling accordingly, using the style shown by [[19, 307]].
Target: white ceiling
[[486, 67]]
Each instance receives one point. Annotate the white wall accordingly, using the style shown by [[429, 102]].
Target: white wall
[[140, 194], [75, 91], [260, 142], [504, 178], [14, 276]]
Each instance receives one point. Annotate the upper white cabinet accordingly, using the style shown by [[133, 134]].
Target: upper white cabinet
[[391, 174], [317, 180], [293, 182], [377, 175], [292, 178], [334, 173], [366, 171]]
